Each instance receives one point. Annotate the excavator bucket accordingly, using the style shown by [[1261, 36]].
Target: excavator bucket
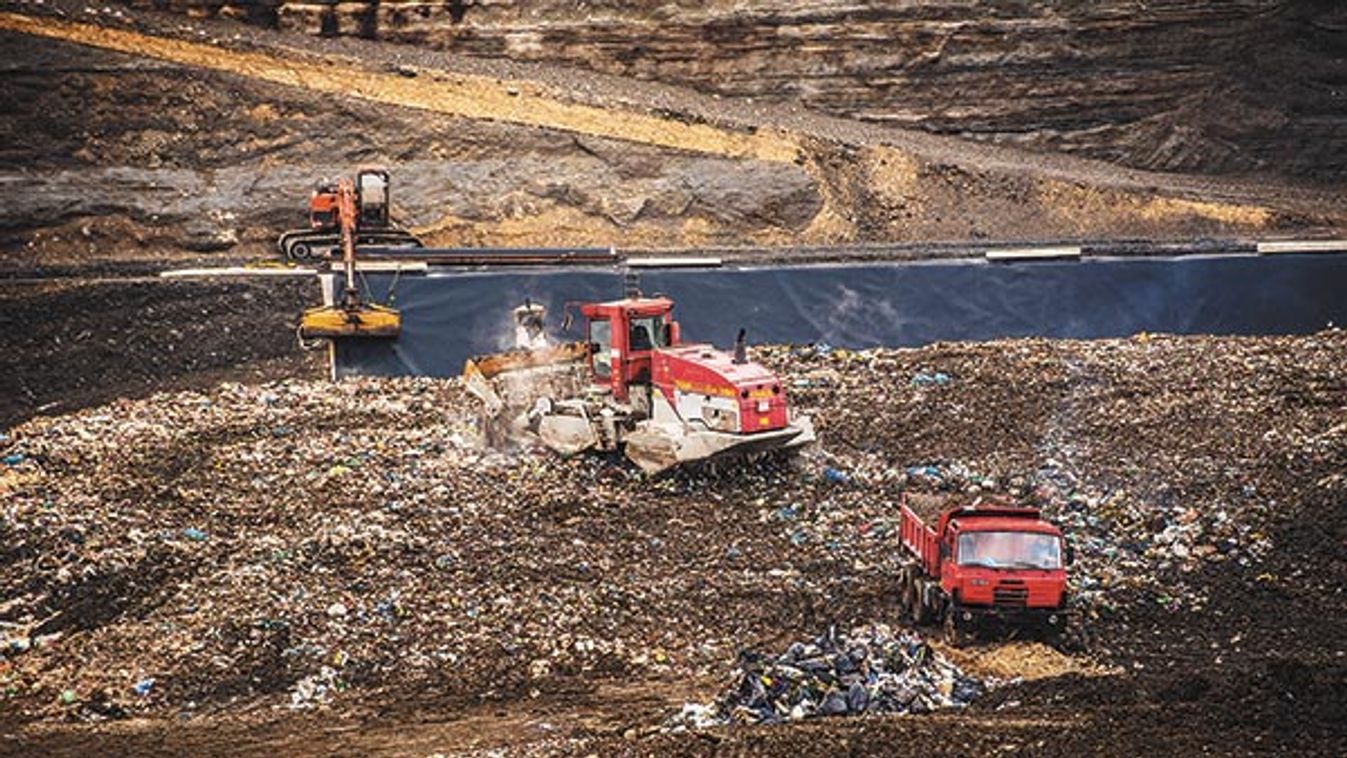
[[334, 321]]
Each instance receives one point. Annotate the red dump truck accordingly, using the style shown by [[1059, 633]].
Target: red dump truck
[[981, 566]]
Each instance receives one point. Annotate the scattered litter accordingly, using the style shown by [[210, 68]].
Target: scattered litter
[[836, 476], [391, 574], [924, 379]]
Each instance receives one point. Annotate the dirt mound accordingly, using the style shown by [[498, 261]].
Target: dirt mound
[[1021, 660]]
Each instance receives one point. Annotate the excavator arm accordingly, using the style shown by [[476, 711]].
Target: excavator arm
[[352, 317]]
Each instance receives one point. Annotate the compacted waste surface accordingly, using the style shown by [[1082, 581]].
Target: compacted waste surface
[[266, 551]]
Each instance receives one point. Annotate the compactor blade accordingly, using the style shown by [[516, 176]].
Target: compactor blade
[[658, 447], [517, 379], [479, 385], [510, 386]]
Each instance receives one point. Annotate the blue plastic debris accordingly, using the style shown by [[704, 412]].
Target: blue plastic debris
[[836, 476], [924, 379], [930, 471]]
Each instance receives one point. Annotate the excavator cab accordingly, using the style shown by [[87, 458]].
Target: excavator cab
[[371, 201], [372, 197], [323, 205]]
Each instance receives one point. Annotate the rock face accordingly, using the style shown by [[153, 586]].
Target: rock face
[[199, 161], [1171, 85], [205, 136]]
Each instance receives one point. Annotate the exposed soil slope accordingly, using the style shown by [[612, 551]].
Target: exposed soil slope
[[151, 137], [1254, 87]]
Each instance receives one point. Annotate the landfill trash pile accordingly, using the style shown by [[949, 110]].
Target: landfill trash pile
[[308, 545], [1155, 454], [871, 670]]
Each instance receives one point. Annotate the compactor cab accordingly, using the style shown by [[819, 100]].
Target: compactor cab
[[622, 336]]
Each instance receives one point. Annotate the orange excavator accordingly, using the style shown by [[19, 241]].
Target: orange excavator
[[321, 240], [352, 317]]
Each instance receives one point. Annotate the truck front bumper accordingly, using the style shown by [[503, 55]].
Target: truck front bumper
[[1044, 619]]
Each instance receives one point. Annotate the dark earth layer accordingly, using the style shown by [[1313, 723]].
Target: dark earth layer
[[69, 344]]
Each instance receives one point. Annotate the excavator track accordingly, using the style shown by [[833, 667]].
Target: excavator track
[[306, 245]]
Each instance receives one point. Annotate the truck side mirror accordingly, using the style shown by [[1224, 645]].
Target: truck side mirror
[[675, 333], [1070, 553], [566, 321], [944, 551]]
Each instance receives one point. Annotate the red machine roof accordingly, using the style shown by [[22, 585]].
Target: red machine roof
[[642, 305]]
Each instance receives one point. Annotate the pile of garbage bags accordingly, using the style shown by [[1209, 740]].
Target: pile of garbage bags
[[874, 669]]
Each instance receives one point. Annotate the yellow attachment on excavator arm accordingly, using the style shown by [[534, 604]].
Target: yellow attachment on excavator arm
[[337, 321]]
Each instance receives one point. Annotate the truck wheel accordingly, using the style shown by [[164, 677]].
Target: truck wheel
[[300, 252], [904, 593], [921, 610], [955, 634]]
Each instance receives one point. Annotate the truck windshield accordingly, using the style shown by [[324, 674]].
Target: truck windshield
[[1010, 550]]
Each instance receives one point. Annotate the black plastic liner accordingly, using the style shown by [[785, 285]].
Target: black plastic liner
[[451, 315]]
